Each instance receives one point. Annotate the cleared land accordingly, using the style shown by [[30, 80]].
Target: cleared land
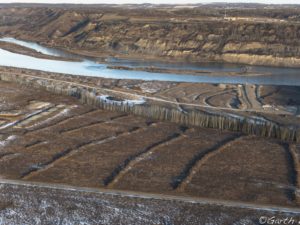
[[55, 139]]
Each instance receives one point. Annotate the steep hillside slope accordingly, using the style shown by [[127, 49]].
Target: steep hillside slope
[[251, 36]]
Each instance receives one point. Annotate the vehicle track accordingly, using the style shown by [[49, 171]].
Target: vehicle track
[[146, 97], [244, 98], [197, 97], [252, 96], [209, 97], [179, 107]]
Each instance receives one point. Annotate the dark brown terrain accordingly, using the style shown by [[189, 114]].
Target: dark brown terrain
[[55, 139], [178, 174]]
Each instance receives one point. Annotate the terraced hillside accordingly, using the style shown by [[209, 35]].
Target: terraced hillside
[[55, 139], [258, 35]]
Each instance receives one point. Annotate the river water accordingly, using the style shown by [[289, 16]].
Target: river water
[[88, 67]]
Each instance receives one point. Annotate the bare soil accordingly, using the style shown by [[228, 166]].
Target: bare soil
[[55, 139]]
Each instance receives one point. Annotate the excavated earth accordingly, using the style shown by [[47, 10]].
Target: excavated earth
[[56, 140]]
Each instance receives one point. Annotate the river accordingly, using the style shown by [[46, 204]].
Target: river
[[89, 67]]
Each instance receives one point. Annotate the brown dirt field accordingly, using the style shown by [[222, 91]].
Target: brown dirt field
[[101, 162], [163, 169], [55, 139], [280, 95], [251, 172]]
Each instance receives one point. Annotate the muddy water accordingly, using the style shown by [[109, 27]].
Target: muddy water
[[88, 67]]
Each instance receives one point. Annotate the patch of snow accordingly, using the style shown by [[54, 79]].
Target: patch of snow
[[153, 87], [16, 122], [267, 106], [62, 113], [7, 125], [253, 119], [7, 140], [130, 102]]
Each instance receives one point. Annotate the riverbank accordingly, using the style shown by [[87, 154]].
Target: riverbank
[[154, 69], [231, 58], [180, 34], [30, 52], [118, 69]]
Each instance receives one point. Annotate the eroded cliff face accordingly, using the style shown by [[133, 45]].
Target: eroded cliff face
[[161, 33]]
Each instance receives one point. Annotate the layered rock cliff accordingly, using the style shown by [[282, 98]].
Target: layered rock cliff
[[249, 36]]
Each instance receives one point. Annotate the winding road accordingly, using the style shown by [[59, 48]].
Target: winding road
[[156, 99]]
